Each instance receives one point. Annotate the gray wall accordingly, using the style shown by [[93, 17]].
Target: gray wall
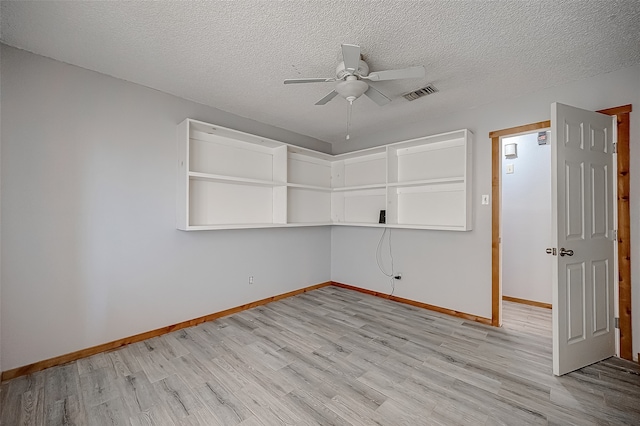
[[526, 220], [90, 252], [453, 269]]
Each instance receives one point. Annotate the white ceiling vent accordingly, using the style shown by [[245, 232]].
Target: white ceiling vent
[[427, 90]]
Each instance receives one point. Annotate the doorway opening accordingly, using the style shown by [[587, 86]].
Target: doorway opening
[[526, 219], [622, 114]]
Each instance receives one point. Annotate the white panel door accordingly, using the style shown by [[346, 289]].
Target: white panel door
[[583, 221]]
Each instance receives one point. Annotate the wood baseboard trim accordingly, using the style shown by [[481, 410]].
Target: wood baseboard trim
[[83, 353], [527, 302], [446, 311]]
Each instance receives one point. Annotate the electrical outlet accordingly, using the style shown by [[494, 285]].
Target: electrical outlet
[[251, 279]]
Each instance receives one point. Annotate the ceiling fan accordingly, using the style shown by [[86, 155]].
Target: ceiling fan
[[352, 71], [351, 74]]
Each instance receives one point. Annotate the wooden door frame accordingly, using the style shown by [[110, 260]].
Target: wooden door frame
[[622, 114]]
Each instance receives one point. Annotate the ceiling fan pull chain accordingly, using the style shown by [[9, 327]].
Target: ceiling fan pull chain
[[349, 117]]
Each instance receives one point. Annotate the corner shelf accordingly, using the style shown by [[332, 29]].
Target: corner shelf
[[228, 179]]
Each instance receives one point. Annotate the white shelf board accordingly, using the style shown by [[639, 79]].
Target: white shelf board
[[301, 224], [298, 150], [371, 225], [360, 187], [442, 137], [206, 128], [233, 180], [360, 153], [427, 181], [309, 187], [427, 227], [254, 225], [235, 226]]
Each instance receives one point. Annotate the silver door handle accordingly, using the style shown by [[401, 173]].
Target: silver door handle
[[567, 252]]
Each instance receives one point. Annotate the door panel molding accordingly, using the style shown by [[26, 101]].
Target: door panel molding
[[574, 301], [600, 313], [624, 220]]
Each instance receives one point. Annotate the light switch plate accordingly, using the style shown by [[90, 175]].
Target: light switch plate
[[509, 168], [485, 200]]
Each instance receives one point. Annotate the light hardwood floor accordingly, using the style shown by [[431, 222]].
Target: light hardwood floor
[[332, 356]]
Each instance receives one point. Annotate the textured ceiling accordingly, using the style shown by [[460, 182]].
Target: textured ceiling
[[235, 55]]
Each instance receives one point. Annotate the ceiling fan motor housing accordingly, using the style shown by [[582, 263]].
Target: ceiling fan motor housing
[[341, 73]]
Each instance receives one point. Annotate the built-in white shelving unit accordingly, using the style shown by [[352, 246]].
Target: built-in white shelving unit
[[229, 179]]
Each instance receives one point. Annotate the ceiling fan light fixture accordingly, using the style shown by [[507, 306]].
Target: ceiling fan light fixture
[[351, 88]]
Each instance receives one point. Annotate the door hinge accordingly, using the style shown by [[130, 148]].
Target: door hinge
[[614, 235], [615, 147], [616, 322]]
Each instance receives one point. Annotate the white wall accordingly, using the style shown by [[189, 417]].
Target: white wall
[[526, 220], [90, 252], [453, 270]]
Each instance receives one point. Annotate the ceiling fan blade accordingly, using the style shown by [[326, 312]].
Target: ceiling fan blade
[[351, 57], [412, 72], [327, 98], [309, 80], [376, 96]]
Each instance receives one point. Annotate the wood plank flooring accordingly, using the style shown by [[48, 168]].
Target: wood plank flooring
[[332, 357]]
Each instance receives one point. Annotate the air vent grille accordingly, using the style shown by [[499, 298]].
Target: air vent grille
[[424, 91]]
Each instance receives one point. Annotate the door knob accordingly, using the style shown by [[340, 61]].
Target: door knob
[[551, 251], [567, 252]]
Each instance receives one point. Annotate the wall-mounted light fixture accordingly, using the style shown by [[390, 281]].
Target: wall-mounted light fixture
[[511, 150]]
